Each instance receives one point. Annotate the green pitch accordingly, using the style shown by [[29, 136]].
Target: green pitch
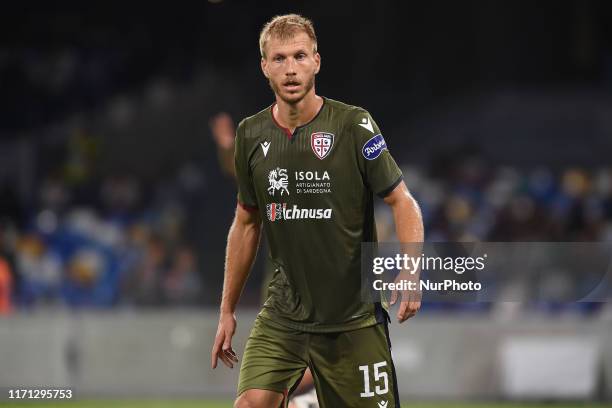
[[228, 404]]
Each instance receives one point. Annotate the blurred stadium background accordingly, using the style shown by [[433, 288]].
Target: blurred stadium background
[[115, 201]]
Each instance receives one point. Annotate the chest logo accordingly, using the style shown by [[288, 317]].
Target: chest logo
[[278, 180], [321, 143], [275, 211], [265, 146]]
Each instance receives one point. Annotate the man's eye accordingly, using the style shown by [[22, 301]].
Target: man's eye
[[300, 56], [278, 59]]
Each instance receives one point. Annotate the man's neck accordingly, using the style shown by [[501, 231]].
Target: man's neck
[[292, 116]]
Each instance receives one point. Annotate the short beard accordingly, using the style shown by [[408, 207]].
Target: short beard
[[293, 101]]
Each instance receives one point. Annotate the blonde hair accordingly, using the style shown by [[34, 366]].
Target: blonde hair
[[284, 27]]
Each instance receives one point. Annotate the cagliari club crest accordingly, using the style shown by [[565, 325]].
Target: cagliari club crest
[[321, 143]]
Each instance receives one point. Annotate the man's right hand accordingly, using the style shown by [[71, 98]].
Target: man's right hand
[[222, 348], [223, 131]]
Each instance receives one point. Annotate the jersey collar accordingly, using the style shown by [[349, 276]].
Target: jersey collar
[[286, 130]]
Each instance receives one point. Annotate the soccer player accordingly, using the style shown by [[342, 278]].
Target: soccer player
[[307, 169]]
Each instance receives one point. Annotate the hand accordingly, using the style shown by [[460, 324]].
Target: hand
[[222, 348], [411, 299], [223, 131]]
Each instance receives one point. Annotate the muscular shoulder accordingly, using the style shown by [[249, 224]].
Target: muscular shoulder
[[355, 120], [349, 115], [344, 111]]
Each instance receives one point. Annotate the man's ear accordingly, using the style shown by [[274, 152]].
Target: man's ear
[[317, 58], [264, 67]]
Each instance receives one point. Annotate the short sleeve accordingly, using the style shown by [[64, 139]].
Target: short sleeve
[[380, 171], [244, 179]]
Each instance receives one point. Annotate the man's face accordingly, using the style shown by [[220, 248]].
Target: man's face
[[291, 66]]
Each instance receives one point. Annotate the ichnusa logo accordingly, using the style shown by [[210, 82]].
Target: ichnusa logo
[[275, 211], [374, 147], [279, 211]]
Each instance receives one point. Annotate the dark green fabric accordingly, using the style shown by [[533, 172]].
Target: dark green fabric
[[316, 210], [276, 356]]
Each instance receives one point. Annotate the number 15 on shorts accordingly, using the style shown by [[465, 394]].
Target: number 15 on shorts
[[379, 376]]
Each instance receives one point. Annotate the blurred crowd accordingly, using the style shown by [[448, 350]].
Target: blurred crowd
[[62, 64], [107, 241], [45, 85], [99, 241], [473, 200]]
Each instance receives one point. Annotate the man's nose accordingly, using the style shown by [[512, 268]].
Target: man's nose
[[290, 67]]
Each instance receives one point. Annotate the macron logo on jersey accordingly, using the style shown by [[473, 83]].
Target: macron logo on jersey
[[374, 147], [366, 124], [265, 146]]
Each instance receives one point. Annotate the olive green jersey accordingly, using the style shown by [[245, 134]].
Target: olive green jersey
[[314, 190]]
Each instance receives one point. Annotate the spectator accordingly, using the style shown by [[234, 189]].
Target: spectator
[[6, 288]]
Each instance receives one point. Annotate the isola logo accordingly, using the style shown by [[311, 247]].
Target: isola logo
[[374, 147]]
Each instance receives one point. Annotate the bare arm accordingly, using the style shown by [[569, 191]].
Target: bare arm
[[409, 228], [242, 243]]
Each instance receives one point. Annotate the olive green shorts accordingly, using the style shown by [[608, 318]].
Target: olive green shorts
[[350, 369]]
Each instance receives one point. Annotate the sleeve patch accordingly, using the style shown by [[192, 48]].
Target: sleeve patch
[[374, 147]]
